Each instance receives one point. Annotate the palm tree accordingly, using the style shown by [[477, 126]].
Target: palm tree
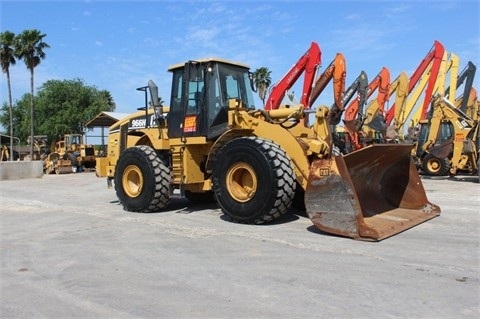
[[7, 56], [262, 81], [29, 46], [107, 98]]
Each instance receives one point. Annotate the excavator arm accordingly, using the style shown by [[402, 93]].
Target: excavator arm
[[453, 66], [376, 108], [466, 76], [472, 108], [434, 58], [439, 88], [403, 113], [353, 119], [308, 63], [337, 72], [381, 82]]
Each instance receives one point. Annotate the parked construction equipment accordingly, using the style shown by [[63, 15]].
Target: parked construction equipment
[[355, 116], [426, 72], [375, 124], [69, 154], [213, 143], [448, 141]]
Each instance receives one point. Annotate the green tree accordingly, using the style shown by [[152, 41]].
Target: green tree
[[7, 56], [262, 80], [21, 118], [61, 107], [29, 46]]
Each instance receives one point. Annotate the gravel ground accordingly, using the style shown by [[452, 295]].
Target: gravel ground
[[69, 250]]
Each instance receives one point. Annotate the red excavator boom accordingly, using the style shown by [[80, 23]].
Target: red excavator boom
[[308, 63]]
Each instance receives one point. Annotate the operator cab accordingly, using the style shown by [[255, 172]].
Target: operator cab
[[201, 91], [73, 139]]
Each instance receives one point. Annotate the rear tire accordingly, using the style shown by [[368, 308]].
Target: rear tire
[[253, 180], [142, 180], [435, 166]]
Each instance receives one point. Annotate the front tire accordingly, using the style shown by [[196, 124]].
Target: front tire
[[435, 166], [142, 180], [253, 180]]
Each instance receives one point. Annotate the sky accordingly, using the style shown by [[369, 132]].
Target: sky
[[119, 45]]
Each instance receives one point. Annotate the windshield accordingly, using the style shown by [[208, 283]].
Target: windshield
[[235, 84]]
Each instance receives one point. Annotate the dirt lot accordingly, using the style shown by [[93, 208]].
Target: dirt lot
[[68, 250]]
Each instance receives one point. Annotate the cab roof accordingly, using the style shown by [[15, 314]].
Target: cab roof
[[212, 59]]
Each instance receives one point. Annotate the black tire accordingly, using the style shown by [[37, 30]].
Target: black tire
[[142, 180], [478, 167], [73, 159], [299, 199], [253, 180], [206, 197], [435, 166]]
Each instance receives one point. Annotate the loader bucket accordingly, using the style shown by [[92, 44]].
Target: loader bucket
[[369, 194]]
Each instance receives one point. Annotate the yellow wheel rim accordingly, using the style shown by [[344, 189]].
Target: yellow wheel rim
[[241, 182], [433, 165], [132, 181]]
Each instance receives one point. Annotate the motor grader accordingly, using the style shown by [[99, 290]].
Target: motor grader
[[69, 154], [212, 143]]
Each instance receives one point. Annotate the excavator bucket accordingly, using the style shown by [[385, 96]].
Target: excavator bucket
[[369, 194], [352, 125], [377, 123], [442, 150]]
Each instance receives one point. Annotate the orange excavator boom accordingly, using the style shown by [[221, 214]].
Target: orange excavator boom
[[336, 71], [354, 116]]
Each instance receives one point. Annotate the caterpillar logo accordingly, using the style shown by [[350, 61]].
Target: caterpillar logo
[[462, 124], [324, 172]]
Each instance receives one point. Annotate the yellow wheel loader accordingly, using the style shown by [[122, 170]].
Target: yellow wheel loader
[[212, 143]]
